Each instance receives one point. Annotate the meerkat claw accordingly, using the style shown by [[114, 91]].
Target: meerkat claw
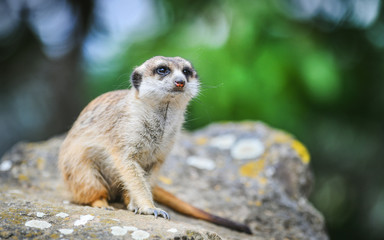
[[165, 215], [136, 210], [109, 208], [154, 211], [162, 213]]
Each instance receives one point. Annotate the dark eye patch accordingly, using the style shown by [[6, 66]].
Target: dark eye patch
[[162, 70], [187, 72]]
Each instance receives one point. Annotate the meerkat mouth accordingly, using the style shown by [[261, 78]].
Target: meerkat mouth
[[177, 90]]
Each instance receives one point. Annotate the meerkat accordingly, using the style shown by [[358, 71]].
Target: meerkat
[[120, 140]]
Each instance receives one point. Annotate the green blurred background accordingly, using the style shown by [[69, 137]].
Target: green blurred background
[[311, 67]]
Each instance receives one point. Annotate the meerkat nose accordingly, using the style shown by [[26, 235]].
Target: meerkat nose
[[180, 83]]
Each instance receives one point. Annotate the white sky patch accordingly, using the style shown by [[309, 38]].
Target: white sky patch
[[38, 224], [201, 163], [55, 27], [365, 12], [120, 27], [83, 220], [208, 32]]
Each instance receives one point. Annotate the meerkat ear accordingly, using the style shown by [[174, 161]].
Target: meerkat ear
[[136, 79]]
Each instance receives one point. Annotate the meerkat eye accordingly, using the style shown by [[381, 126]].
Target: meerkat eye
[[187, 72], [163, 70]]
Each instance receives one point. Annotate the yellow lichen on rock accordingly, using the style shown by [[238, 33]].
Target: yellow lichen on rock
[[40, 163], [201, 141], [301, 151], [262, 180], [281, 137], [252, 169], [23, 178], [257, 203], [165, 180]]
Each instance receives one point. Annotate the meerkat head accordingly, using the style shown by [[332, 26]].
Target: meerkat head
[[163, 78]]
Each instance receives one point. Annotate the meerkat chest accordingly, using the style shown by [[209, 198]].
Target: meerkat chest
[[156, 132], [152, 131]]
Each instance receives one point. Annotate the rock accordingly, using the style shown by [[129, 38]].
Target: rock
[[245, 171]]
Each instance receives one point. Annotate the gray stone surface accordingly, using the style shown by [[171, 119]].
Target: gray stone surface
[[244, 171]]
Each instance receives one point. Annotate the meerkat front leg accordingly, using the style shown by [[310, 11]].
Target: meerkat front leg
[[133, 178]]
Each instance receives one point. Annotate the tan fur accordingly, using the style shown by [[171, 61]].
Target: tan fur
[[121, 138]]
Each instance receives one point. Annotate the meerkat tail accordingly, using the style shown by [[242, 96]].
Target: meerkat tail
[[163, 197]]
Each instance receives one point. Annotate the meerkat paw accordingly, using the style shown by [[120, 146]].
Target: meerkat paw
[[151, 211], [132, 207], [102, 203]]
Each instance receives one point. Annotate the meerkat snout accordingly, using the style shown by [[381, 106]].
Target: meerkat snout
[[179, 83]]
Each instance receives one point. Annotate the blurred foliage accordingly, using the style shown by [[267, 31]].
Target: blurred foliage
[[321, 83], [258, 73]]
